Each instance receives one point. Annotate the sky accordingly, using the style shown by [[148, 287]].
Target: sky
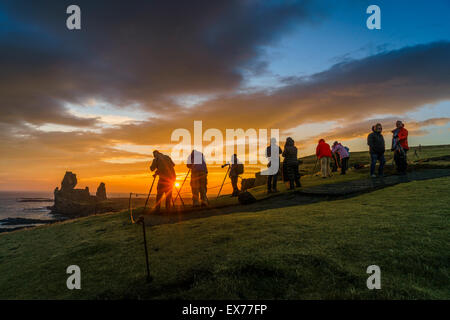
[[99, 100]]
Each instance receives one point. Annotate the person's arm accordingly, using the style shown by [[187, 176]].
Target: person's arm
[[317, 151], [281, 151], [369, 140]]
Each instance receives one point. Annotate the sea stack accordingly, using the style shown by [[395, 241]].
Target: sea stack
[[101, 192], [73, 202]]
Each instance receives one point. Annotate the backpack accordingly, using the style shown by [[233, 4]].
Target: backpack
[[348, 150], [246, 198], [240, 168]]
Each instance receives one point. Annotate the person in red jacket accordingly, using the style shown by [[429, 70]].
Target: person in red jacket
[[400, 146], [323, 153]]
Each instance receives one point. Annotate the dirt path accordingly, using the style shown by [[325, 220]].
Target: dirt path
[[302, 196], [368, 185]]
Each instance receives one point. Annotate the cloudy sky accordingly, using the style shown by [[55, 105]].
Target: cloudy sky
[[98, 100]]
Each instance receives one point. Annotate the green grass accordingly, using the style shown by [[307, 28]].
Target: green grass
[[315, 251]]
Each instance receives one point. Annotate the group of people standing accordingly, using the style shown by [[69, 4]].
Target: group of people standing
[[340, 154], [400, 147], [197, 168], [330, 158], [290, 165], [326, 154], [165, 169]]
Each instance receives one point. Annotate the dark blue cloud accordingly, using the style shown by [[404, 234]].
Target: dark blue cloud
[[128, 52]]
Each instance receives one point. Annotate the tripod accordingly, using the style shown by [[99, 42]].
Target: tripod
[[178, 190], [223, 179], [150, 191], [315, 166]]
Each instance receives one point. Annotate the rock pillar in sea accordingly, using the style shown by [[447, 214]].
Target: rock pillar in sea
[[101, 192]]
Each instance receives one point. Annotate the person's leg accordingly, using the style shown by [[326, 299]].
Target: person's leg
[[323, 164], [234, 181], [168, 199], [274, 182], [158, 200], [334, 163], [291, 184], [203, 189], [296, 175], [382, 160], [195, 192], [344, 165], [373, 163], [328, 167], [291, 176], [396, 160], [269, 183], [405, 162], [327, 171]]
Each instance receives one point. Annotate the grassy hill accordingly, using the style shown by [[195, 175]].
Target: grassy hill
[[312, 251]]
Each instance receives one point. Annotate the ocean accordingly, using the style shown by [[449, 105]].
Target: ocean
[[21, 205], [30, 205]]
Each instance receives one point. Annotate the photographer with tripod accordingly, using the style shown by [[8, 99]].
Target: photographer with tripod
[[234, 169], [199, 178], [164, 167]]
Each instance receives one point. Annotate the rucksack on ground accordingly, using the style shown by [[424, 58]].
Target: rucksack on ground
[[246, 198]]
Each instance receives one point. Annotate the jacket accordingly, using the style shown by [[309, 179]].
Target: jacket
[[164, 167], [339, 148], [323, 149], [290, 152], [375, 141], [400, 136], [196, 162]]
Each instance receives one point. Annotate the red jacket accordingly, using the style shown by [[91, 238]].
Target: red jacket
[[323, 149], [403, 138]]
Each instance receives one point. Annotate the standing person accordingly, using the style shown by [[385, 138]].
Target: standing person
[[323, 153], [236, 169], [375, 140], [272, 179], [199, 177], [164, 167], [400, 146], [343, 154], [290, 164]]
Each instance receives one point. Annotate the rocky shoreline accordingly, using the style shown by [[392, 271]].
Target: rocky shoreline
[[22, 223]]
